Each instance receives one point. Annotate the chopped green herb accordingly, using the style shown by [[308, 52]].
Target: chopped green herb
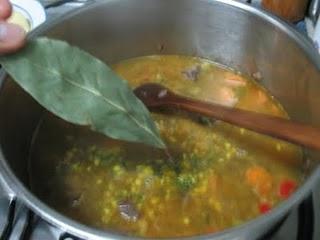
[[185, 182]]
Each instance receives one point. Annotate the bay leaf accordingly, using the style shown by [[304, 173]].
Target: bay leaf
[[81, 89]]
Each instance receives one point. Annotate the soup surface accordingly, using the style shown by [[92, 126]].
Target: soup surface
[[214, 175]]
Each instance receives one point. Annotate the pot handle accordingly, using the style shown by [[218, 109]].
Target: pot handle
[[67, 236], [314, 10], [55, 3], [5, 189], [7, 230], [306, 221]]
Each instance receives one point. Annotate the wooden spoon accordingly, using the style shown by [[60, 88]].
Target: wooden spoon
[[155, 95]]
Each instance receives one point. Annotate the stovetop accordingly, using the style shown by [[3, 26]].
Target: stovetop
[[17, 222]]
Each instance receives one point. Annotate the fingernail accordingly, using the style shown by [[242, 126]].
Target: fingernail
[[10, 32]]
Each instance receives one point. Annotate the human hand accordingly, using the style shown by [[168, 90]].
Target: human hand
[[12, 37]]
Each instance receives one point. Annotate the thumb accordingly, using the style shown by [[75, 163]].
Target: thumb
[[12, 37]]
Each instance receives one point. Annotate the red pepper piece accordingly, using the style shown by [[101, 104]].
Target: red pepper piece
[[287, 187], [264, 207]]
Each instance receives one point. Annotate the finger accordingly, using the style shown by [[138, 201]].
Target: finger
[[12, 37], [5, 9]]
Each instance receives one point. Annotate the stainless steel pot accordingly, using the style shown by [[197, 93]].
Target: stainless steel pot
[[227, 32]]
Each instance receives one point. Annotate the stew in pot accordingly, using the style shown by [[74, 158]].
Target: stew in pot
[[215, 175]]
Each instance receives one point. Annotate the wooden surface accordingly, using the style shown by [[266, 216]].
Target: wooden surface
[[291, 10]]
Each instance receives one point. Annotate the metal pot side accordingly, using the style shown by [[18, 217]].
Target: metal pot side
[[225, 31]]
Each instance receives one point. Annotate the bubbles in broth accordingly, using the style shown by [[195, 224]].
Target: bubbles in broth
[[223, 175]]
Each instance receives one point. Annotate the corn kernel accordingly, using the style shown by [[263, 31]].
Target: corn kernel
[[75, 167], [116, 168], [167, 197], [172, 139], [134, 189], [160, 207], [186, 220], [105, 219], [106, 211], [139, 206], [96, 162], [203, 189], [278, 147], [154, 200], [113, 203], [137, 182], [143, 227], [205, 65], [99, 181], [151, 214], [217, 206], [159, 77]]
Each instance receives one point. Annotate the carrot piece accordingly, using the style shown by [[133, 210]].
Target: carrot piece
[[287, 187], [260, 179], [264, 207]]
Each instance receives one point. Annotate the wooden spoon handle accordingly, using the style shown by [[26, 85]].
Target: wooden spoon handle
[[290, 131]]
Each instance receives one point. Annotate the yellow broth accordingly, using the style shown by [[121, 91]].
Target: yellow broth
[[215, 175]]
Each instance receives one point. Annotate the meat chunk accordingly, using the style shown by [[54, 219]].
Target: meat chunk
[[192, 73], [128, 211]]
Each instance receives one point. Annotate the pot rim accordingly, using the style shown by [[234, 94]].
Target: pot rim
[[16, 188]]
